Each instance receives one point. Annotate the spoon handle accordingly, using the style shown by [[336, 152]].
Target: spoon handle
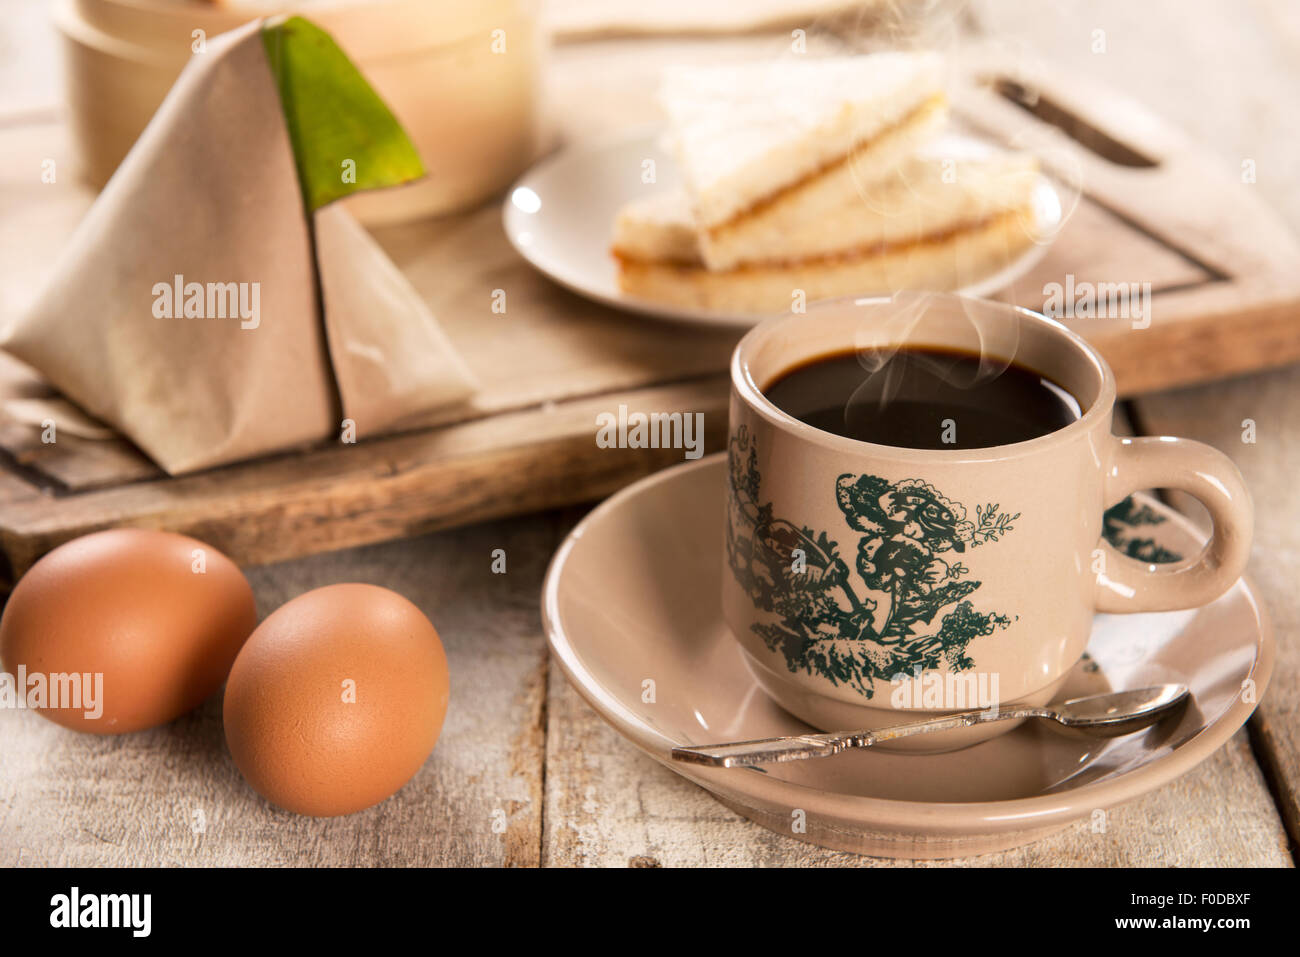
[[801, 746]]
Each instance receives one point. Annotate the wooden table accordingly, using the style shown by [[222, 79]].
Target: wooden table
[[525, 773]]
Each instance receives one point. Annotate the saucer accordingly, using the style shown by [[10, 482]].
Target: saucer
[[632, 611], [560, 217]]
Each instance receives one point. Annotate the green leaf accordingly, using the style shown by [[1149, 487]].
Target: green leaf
[[336, 122]]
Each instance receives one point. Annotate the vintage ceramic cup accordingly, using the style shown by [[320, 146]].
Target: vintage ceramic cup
[[870, 585]]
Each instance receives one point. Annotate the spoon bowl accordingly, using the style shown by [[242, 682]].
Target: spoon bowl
[[1118, 713]]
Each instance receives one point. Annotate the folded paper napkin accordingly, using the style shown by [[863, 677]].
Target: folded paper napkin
[[213, 305]]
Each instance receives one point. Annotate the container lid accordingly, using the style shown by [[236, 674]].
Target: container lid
[[368, 29]]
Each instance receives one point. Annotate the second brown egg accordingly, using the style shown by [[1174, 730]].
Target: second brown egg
[[337, 699]]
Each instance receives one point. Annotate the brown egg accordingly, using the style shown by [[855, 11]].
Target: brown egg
[[159, 616], [337, 699]]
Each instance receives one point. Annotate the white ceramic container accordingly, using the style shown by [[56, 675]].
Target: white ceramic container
[[461, 75]]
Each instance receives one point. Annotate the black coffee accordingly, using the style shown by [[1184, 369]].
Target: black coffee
[[923, 398]]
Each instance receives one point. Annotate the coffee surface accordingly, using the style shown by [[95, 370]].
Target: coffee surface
[[923, 398]]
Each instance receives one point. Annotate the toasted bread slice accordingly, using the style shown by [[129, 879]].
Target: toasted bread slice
[[939, 262], [744, 133], [945, 184]]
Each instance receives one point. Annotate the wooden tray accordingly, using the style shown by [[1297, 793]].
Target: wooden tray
[[1153, 209]]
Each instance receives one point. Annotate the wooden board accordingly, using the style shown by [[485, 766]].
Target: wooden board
[[1219, 269], [1236, 307]]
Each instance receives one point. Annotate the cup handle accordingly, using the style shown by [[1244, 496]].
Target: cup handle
[[1147, 462]]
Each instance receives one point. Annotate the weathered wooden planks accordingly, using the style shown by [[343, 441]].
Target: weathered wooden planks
[[609, 805], [1228, 415], [402, 485], [83, 800]]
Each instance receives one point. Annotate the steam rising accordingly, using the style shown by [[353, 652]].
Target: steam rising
[[976, 328], [951, 27]]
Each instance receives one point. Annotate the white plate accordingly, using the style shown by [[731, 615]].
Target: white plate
[[560, 217]]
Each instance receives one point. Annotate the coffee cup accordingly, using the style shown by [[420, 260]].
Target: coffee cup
[[871, 584]]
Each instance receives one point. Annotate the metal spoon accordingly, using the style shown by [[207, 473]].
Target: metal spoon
[[1101, 715]]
